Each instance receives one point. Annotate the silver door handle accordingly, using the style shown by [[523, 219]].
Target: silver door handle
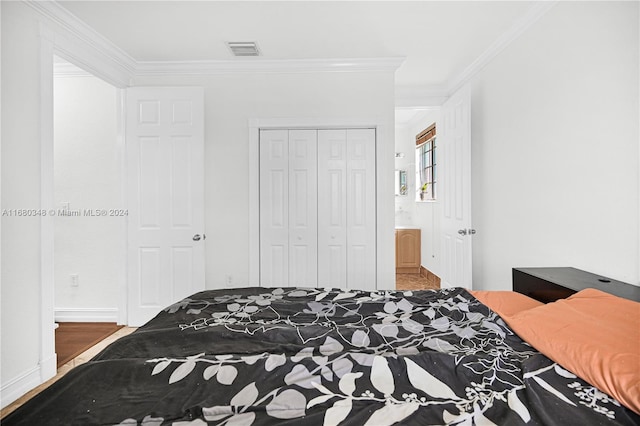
[[196, 237], [472, 231], [462, 231]]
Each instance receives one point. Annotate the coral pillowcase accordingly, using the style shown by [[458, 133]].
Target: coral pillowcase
[[505, 303], [593, 334]]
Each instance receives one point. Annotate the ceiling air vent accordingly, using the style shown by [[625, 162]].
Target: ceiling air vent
[[243, 48]]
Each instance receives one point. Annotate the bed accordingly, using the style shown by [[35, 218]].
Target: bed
[[261, 356]]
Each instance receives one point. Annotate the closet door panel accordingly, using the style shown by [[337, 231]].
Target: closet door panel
[[336, 267], [317, 208], [303, 208], [274, 207], [332, 214], [361, 209]]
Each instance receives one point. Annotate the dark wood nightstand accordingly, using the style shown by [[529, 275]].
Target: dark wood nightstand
[[550, 284]]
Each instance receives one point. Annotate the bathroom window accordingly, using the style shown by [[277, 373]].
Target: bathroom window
[[426, 164]]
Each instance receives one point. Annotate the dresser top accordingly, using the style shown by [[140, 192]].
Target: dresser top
[[577, 280]]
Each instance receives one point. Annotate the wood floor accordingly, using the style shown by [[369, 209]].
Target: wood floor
[[416, 282], [73, 338]]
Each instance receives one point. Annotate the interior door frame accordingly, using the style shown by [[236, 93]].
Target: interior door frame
[[88, 58], [385, 266], [137, 314], [460, 209]]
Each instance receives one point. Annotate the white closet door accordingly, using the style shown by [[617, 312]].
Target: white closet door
[[303, 208], [274, 208], [361, 209], [317, 208], [332, 210], [165, 151]]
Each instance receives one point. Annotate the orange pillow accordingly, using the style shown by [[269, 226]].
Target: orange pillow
[[593, 334], [505, 303]]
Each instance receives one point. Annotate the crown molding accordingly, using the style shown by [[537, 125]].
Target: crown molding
[[57, 14], [425, 97], [66, 69], [405, 96], [533, 14], [79, 30], [252, 65]]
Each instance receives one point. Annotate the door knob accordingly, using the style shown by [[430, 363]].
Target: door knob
[[462, 231], [472, 231], [196, 237]]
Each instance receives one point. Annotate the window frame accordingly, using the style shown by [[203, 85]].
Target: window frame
[[426, 170]]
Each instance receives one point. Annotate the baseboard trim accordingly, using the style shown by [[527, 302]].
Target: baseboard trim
[[424, 272], [86, 315], [49, 368], [30, 379], [14, 389]]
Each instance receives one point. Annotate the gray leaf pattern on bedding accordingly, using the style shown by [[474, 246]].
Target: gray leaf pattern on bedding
[[359, 349], [258, 356]]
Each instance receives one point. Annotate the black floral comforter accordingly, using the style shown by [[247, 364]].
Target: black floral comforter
[[260, 356]]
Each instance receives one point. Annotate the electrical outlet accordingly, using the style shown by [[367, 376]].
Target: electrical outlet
[[75, 280], [228, 279]]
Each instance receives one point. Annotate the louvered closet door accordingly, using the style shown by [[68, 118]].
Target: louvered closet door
[[288, 208]]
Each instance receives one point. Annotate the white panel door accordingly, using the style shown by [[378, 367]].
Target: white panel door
[[317, 208], [361, 209], [346, 208], [165, 152], [332, 209], [303, 208], [455, 146], [274, 208], [288, 208]]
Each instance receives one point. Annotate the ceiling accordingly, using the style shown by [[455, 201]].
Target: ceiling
[[437, 39]]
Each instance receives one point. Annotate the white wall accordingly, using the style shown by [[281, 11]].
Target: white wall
[[87, 176], [20, 314], [27, 320], [0, 175], [230, 102], [555, 147]]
